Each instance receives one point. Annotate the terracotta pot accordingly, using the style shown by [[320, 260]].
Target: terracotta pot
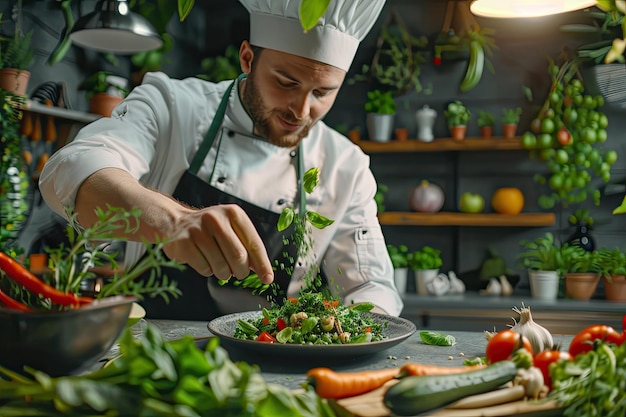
[[581, 285], [615, 288], [14, 80], [402, 133], [103, 104], [354, 135], [458, 132], [509, 130], [486, 132]]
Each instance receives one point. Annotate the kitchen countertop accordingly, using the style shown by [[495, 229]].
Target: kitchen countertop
[[292, 374]]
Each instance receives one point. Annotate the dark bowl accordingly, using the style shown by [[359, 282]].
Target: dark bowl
[[62, 342]]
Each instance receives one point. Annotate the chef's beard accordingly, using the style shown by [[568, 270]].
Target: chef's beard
[[261, 116]]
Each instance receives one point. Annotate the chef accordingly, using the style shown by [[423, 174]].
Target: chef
[[212, 165]]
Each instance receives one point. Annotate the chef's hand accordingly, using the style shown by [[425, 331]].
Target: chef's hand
[[219, 240]]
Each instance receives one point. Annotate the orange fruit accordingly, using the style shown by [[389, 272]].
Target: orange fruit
[[508, 200]]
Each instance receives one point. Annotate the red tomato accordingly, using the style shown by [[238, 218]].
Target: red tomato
[[280, 323], [583, 341], [503, 344], [563, 136], [266, 337], [543, 360], [265, 320], [624, 323]]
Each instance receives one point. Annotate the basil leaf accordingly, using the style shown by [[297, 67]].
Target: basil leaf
[[317, 220], [311, 179], [286, 218], [309, 324], [437, 339], [284, 335]]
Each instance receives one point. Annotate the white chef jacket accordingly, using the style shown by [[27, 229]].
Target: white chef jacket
[[154, 134]]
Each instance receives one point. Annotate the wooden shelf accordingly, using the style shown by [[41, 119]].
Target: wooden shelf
[[443, 145], [466, 219]]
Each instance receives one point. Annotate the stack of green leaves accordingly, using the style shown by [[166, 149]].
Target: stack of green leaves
[[155, 377]]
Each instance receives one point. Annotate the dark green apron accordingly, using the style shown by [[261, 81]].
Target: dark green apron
[[198, 301]]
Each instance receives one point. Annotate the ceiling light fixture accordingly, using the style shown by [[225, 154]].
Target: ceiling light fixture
[[113, 27], [526, 8]]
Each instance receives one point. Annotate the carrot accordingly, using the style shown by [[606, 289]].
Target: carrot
[[330, 384], [418, 369]]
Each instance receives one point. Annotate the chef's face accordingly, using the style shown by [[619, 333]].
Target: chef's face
[[286, 94]]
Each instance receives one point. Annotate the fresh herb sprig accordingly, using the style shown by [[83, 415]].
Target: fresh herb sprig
[[593, 383], [87, 248]]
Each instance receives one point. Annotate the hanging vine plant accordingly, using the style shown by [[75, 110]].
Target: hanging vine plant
[[568, 135], [396, 64]]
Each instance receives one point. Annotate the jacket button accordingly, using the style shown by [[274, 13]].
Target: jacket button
[[221, 180], [280, 202], [292, 154], [231, 133]]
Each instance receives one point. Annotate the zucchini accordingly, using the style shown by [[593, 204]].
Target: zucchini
[[418, 394]]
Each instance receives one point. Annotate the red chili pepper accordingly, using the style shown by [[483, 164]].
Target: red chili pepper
[[437, 61], [266, 337], [280, 323], [13, 304], [28, 280]]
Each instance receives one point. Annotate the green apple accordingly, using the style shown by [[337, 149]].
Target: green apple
[[471, 203]]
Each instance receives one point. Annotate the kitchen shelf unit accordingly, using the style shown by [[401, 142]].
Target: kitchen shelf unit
[[454, 218]]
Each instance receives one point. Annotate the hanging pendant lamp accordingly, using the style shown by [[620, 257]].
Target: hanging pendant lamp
[[113, 27], [526, 8]]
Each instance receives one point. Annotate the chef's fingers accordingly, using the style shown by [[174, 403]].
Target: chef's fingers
[[254, 250], [186, 252], [211, 254]]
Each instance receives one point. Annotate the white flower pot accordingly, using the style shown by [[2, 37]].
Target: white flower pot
[[422, 278], [544, 285], [399, 277], [380, 126]]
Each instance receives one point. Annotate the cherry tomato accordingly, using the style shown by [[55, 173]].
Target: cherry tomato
[[266, 337], [503, 344], [624, 323], [543, 360], [563, 136], [583, 341], [265, 320], [280, 323]]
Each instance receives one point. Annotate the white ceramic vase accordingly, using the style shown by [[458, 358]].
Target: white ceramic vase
[[425, 122], [399, 277], [544, 285], [380, 126], [422, 278]]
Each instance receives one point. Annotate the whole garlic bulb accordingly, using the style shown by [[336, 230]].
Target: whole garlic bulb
[[538, 336]]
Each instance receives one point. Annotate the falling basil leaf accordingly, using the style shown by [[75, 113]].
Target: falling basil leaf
[[311, 179], [286, 218], [311, 11], [317, 220], [437, 339]]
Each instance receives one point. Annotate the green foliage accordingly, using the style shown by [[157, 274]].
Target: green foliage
[[485, 119], [457, 114], [98, 83], [511, 116], [426, 258], [380, 102], [611, 262], [399, 255], [379, 197], [576, 259], [159, 378], [17, 51], [541, 254], [223, 67], [397, 62]]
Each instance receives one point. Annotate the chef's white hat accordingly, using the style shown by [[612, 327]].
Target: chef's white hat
[[275, 24]]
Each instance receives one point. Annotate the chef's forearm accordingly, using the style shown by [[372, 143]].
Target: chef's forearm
[[117, 188]]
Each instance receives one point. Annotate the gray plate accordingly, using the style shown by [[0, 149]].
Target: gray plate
[[397, 331]]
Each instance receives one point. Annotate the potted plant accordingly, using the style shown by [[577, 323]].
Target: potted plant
[[542, 259], [457, 116], [399, 255], [16, 56], [426, 263], [105, 90], [581, 270], [510, 120], [485, 122], [613, 270], [381, 109]]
